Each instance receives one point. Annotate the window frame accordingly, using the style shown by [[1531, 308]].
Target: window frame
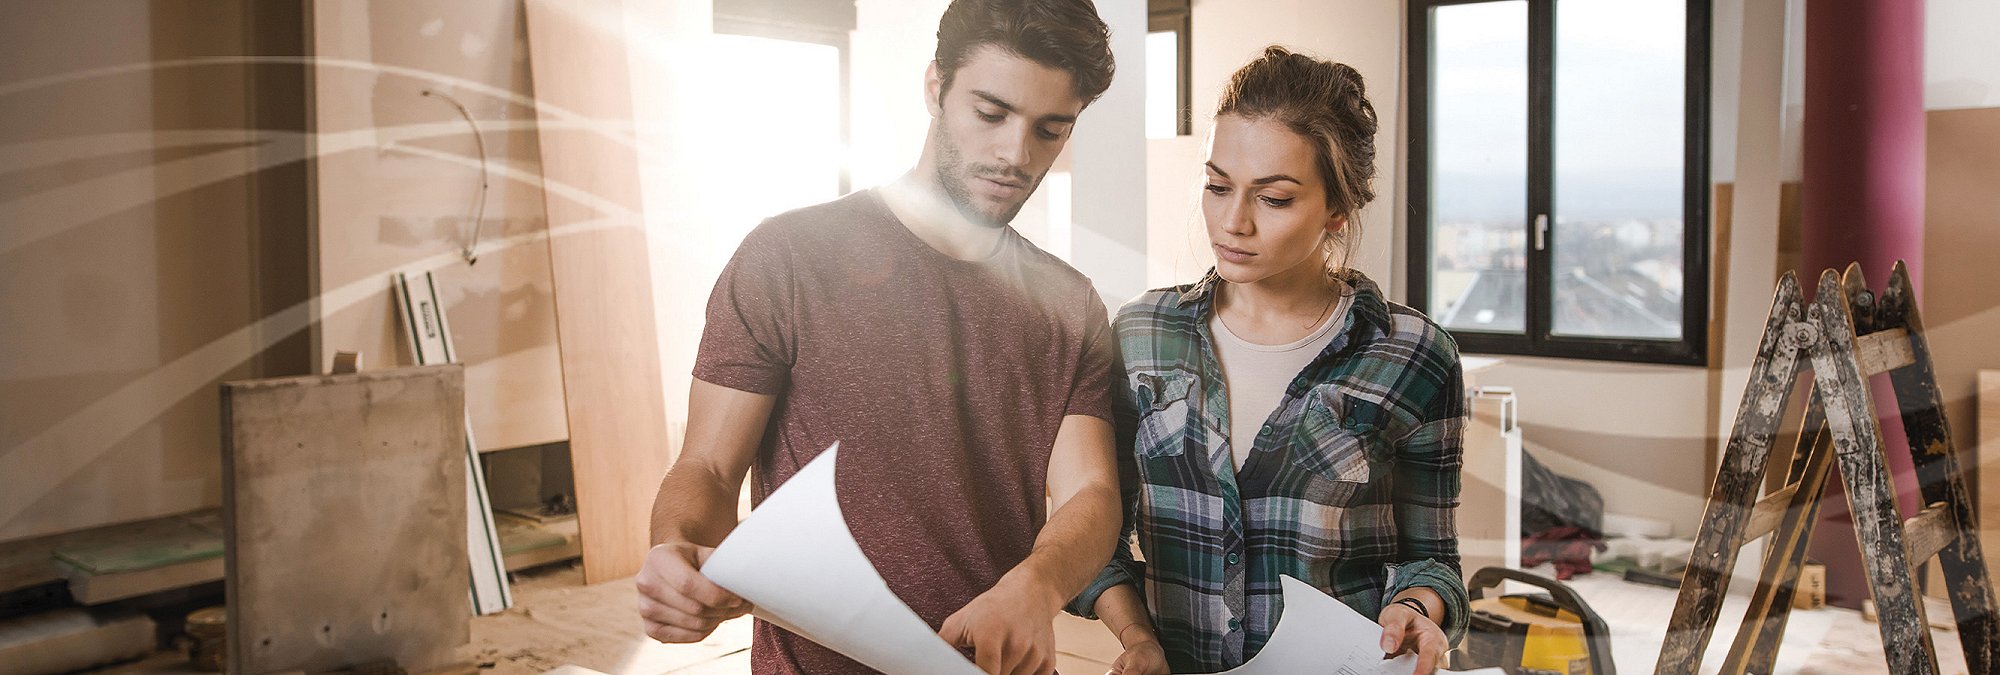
[[1537, 337], [1175, 16]]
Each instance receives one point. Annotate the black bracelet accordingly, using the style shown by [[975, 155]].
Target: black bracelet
[[1415, 604]]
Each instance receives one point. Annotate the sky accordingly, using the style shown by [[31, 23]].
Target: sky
[[1620, 67]]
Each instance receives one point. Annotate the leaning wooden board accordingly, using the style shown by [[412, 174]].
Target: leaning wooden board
[[603, 283], [1987, 456], [344, 519]]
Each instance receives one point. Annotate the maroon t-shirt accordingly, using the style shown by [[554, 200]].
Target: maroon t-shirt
[[944, 381]]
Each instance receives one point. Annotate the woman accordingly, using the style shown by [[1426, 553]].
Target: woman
[[1283, 418]]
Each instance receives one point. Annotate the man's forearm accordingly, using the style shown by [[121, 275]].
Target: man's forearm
[[693, 506], [1072, 548]]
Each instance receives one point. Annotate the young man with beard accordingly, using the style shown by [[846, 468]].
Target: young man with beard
[[967, 375]]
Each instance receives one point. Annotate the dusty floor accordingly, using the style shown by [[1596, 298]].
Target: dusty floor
[[558, 621]]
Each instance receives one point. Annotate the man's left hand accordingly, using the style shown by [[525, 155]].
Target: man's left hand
[[1008, 631]]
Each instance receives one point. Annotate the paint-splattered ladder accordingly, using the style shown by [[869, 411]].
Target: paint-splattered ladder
[[1846, 335]]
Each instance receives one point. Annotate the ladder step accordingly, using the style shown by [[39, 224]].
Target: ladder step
[[1764, 516], [1928, 532], [1883, 351]]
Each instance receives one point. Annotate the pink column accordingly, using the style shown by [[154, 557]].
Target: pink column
[[1862, 200]]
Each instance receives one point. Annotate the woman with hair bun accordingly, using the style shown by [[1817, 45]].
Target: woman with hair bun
[[1280, 416]]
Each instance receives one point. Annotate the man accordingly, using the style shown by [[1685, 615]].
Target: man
[[966, 374]]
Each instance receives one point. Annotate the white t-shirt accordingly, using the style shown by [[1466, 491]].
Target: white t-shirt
[[1256, 375]]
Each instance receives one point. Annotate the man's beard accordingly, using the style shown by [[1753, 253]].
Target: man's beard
[[954, 176]]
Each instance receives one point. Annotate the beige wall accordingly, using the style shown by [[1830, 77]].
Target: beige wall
[[1961, 300], [1961, 59], [396, 178], [136, 278], [124, 258], [1362, 33]]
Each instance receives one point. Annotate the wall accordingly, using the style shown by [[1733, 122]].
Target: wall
[[1962, 213], [397, 177], [1961, 59], [137, 277], [1961, 309], [1361, 33], [125, 257]]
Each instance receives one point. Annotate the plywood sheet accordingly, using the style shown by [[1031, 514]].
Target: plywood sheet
[[344, 517], [397, 180], [605, 330], [1987, 454]]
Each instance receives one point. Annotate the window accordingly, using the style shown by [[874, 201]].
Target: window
[[1169, 69], [781, 78], [1558, 176]]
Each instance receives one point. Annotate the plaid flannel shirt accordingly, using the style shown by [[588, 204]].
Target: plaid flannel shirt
[[1351, 484]]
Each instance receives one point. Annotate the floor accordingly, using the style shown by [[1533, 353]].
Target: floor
[[558, 621]]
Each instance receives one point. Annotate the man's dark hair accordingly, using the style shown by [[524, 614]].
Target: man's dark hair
[[1062, 34]]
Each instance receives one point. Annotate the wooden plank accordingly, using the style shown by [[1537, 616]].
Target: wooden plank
[[1756, 644], [179, 540], [1723, 210], [1928, 532], [32, 562], [171, 553], [67, 640], [1883, 351], [1942, 478], [97, 589], [1871, 494], [1768, 511], [1765, 398], [603, 284], [394, 184], [530, 543], [344, 517], [1987, 458]]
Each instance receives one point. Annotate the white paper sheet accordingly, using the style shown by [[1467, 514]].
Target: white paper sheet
[[1318, 634], [795, 560]]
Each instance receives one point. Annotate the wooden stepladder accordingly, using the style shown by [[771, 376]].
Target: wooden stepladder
[[1845, 335]]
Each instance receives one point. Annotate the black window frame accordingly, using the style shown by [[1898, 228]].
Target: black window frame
[[1175, 16], [1537, 338]]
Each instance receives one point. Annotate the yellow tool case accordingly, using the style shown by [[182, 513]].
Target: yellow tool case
[[1532, 633]]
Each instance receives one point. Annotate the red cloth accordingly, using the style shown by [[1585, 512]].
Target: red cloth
[[944, 381], [1568, 547]]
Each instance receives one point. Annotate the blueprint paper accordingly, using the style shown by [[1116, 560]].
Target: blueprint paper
[[1318, 635], [797, 563]]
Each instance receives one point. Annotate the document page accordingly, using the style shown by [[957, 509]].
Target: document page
[[794, 559]]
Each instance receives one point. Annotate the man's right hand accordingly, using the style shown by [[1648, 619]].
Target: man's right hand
[[677, 602], [1142, 657]]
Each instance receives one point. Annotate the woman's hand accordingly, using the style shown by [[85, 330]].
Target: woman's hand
[[1141, 658], [1406, 631]]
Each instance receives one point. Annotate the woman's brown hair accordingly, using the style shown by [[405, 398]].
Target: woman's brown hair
[[1326, 103]]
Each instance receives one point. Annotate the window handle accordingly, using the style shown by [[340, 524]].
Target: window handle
[[1541, 231]]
